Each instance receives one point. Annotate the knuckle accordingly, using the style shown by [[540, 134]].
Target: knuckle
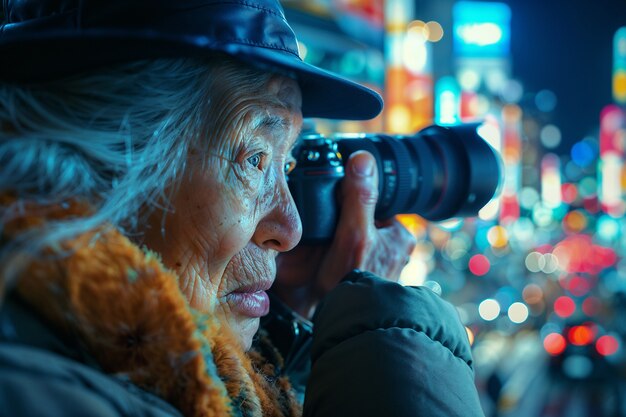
[[368, 196], [411, 242]]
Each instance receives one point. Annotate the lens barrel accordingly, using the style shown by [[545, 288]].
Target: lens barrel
[[438, 173]]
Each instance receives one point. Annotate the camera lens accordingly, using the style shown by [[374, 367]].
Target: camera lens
[[440, 172]]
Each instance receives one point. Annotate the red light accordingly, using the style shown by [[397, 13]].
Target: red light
[[479, 265], [578, 286], [580, 335], [564, 306], [591, 305], [591, 205], [509, 208], [604, 257], [554, 344], [607, 345], [569, 192]]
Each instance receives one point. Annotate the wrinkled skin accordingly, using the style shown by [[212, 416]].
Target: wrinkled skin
[[234, 214], [308, 273]]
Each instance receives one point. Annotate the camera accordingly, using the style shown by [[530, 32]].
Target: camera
[[438, 173]]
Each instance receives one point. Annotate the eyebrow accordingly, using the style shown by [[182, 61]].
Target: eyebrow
[[274, 122], [271, 121]]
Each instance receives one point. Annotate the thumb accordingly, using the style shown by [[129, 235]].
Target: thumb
[[359, 194], [355, 228]]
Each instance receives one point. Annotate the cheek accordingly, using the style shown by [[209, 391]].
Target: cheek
[[235, 215]]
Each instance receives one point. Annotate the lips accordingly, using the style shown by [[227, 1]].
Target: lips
[[251, 300]]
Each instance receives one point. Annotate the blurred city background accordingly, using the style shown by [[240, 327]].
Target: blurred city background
[[539, 278]]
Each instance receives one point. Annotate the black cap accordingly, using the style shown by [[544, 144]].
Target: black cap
[[47, 39]]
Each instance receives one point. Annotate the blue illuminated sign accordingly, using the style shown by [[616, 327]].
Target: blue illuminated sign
[[481, 29]]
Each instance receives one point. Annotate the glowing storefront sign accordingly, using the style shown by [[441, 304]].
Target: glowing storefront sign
[[481, 29]]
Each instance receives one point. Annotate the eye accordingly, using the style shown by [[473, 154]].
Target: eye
[[289, 166], [255, 160]]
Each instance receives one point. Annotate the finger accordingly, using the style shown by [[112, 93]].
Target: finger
[[402, 238], [359, 196], [394, 248]]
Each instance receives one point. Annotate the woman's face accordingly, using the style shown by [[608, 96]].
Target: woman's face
[[233, 213]]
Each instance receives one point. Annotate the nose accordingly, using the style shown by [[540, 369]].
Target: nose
[[280, 229]]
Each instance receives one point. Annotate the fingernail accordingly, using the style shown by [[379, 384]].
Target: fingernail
[[363, 166]]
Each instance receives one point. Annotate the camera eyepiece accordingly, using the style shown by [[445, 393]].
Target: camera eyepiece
[[439, 173]]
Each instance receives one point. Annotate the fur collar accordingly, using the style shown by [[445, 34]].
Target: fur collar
[[127, 309]]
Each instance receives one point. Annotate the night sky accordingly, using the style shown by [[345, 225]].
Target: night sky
[[567, 47]]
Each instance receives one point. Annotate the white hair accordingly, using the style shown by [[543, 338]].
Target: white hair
[[117, 138]]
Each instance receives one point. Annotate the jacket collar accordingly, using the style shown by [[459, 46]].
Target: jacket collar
[[127, 311]]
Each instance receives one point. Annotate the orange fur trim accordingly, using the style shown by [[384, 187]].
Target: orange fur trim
[[133, 318]]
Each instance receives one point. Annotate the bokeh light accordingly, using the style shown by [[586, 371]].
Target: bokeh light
[[580, 335], [591, 306], [578, 286], [545, 100], [532, 294], [534, 261], [479, 265], [608, 228], [607, 345], [564, 306], [528, 197], [569, 193], [583, 153], [497, 236], [554, 344], [574, 222], [550, 136], [489, 309], [469, 80], [518, 312], [577, 366], [434, 31]]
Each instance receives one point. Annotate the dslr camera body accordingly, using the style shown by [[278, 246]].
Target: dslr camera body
[[438, 173]]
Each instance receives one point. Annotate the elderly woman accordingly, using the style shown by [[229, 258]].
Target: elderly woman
[[144, 148]]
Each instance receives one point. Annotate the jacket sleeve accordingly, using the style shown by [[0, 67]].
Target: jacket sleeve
[[381, 349], [38, 383]]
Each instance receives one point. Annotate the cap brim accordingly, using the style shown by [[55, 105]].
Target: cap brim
[[52, 55]]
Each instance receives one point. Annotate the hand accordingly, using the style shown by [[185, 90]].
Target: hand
[[307, 273]]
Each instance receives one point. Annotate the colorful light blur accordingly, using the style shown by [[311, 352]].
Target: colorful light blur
[[512, 154], [550, 136], [564, 306], [545, 256], [580, 335], [591, 306], [518, 312], [583, 153], [578, 286], [619, 66], [569, 193], [447, 101], [574, 222], [481, 29], [479, 265], [578, 253], [607, 345], [489, 309], [497, 236], [551, 181], [554, 344], [532, 294], [408, 81]]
